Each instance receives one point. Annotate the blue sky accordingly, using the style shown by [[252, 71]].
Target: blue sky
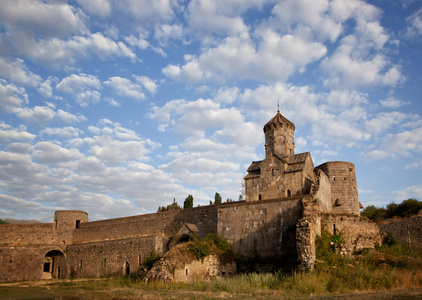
[[116, 107]]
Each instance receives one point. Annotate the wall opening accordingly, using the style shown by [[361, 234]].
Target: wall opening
[[126, 269], [54, 265], [289, 193], [259, 197], [78, 224]]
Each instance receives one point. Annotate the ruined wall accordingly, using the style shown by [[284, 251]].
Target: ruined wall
[[158, 224], [268, 227], [344, 190], [112, 258], [407, 231], [206, 270], [358, 232]]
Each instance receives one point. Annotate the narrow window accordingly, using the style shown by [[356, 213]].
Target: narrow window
[[272, 171], [78, 223], [186, 272], [80, 264], [55, 224], [289, 193], [344, 178], [140, 260], [11, 261], [105, 263], [259, 197]]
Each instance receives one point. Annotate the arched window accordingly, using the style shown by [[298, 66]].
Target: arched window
[[259, 197], [289, 193]]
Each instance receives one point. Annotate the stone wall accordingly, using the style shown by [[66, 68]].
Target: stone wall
[[158, 224], [112, 258], [358, 232], [268, 227], [344, 190], [23, 263], [407, 231], [28, 234]]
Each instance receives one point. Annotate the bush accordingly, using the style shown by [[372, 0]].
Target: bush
[[150, 259]]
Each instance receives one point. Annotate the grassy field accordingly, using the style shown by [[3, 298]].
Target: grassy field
[[392, 271]]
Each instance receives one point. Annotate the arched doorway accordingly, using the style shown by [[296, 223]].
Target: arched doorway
[[54, 265], [126, 268]]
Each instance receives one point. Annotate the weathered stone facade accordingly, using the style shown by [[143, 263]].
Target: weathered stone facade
[[407, 231], [288, 201]]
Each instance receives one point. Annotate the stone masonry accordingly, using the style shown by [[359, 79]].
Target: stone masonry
[[288, 202]]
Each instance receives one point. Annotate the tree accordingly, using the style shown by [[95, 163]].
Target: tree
[[188, 202], [217, 198]]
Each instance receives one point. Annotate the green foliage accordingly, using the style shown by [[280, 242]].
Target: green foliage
[[188, 202], [212, 243], [390, 240], [217, 198], [149, 260], [375, 214], [200, 249], [173, 206], [405, 209]]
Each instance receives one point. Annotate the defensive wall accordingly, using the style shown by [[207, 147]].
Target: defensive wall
[[407, 231]]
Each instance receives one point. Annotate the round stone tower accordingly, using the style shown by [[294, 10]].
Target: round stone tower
[[69, 219], [279, 136], [344, 189]]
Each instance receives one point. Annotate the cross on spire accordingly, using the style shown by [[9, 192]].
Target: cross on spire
[[278, 106]]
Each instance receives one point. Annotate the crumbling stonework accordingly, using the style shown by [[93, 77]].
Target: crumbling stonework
[[288, 201], [407, 231]]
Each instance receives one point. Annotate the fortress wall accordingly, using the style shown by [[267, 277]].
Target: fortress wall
[[160, 224], [111, 258], [407, 231], [23, 263], [357, 232], [267, 226], [28, 234], [344, 190], [323, 192]]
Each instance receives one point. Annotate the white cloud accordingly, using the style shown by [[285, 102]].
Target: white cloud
[[125, 87], [414, 27], [96, 7], [83, 87], [38, 115], [17, 72], [392, 103], [69, 117], [11, 97], [53, 154], [66, 132], [141, 42], [78, 83], [414, 191], [43, 18], [147, 83], [8, 133], [384, 121], [166, 32], [275, 58]]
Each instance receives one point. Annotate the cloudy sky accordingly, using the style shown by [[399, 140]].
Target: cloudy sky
[[116, 107]]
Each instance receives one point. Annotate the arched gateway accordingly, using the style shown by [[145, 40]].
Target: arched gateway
[[54, 265]]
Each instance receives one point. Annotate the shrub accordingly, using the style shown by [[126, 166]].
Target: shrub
[[150, 259]]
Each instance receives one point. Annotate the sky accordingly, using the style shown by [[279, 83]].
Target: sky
[[117, 107]]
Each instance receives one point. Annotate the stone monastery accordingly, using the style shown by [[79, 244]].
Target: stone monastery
[[288, 202]]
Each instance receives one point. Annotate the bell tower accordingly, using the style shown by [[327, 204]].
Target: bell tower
[[279, 136]]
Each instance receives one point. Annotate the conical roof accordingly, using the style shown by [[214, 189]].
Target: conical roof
[[278, 119]]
